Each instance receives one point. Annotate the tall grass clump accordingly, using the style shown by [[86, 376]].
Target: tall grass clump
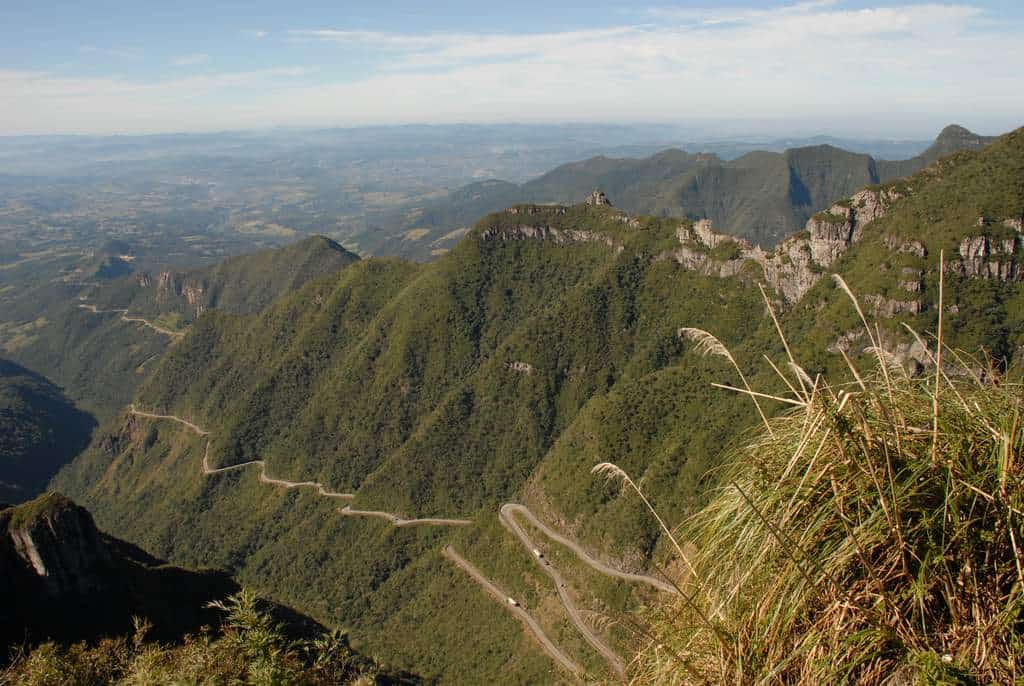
[[872, 535]]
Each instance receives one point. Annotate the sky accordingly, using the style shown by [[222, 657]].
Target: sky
[[860, 67]]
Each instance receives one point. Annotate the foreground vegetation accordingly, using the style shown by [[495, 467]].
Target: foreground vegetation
[[252, 650], [873, 534]]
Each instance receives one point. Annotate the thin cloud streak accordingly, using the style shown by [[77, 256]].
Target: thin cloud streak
[[808, 60]]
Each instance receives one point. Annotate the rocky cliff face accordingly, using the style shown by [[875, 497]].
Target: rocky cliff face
[[598, 199], [797, 263], [172, 286], [791, 269], [993, 255], [544, 232], [55, 546], [794, 266], [61, 578]]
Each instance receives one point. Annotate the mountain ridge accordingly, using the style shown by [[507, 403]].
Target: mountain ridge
[[761, 196]]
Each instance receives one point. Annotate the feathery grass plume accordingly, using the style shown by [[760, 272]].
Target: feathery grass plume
[[613, 472], [868, 561], [708, 344], [782, 338]]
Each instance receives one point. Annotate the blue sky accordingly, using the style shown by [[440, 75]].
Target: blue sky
[[884, 67]]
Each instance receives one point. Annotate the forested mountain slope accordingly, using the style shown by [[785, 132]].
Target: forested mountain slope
[[545, 342], [40, 431], [98, 340], [240, 285], [761, 196]]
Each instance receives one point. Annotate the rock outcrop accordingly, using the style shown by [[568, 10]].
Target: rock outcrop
[[171, 286], [911, 354], [544, 232], [880, 306], [60, 577], [797, 263], [58, 546], [598, 199], [988, 257]]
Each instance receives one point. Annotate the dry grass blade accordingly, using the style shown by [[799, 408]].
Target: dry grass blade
[[755, 394], [613, 472], [938, 357], [778, 329]]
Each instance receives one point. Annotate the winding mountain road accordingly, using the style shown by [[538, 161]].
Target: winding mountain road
[[395, 520], [509, 508], [610, 656], [507, 517], [522, 615], [140, 320], [170, 417], [264, 477]]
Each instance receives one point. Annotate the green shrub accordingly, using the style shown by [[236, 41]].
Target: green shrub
[[252, 650]]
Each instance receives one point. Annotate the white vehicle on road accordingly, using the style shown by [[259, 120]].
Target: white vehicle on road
[[512, 601]]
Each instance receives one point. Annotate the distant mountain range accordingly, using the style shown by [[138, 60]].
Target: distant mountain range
[[761, 196]]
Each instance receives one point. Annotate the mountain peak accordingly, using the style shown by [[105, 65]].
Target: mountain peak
[[956, 137], [955, 131], [952, 139]]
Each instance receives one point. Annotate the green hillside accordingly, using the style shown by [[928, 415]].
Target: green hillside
[[545, 342], [79, 336], [40, 431], [761, 196], [241, 285]]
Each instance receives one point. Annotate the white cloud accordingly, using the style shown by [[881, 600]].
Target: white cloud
[[255, 34], [190, 60], [923, 63]]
